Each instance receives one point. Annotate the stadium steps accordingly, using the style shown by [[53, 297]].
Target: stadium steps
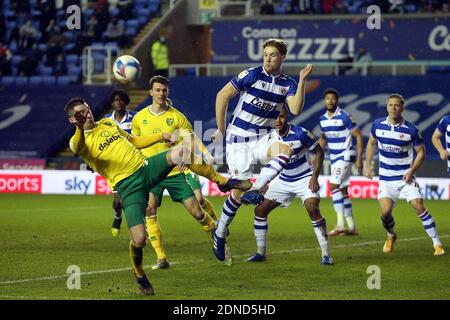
[[136, 97]]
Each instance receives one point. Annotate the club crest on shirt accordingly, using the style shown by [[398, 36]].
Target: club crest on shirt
[[169, 121], [105, 134], [243, 74], [144, 121], [283, 91]]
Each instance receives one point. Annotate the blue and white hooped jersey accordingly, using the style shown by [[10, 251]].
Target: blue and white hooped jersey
[[337, 129], [260, 102], [301, 141], [125, 124], [444, 128], [395, 146]]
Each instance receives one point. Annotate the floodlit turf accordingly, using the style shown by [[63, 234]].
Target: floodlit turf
[[41, 236]]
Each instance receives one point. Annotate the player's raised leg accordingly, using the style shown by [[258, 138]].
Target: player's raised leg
[[429, 225], [279, 154]]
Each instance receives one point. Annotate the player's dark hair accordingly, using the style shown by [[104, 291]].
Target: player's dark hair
[[277, 43], [72, 104], [122, 95], [397, 96], [158, 79], [331, 91]]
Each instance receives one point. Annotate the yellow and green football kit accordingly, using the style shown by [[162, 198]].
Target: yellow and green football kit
[[106, 149]]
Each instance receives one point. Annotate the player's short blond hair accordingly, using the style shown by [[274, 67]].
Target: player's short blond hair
[[281, 45], [396, 96]]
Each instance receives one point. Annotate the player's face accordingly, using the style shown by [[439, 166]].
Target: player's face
[[159, 92], [330, 101], [83, 109], [282, 121], [395, 108], [118, 104], [272, 60]]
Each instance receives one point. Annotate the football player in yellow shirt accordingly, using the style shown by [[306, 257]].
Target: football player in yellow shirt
[[161, 116], [114, 154]]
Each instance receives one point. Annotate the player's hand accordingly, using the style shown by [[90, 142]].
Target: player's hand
[[169, 139], [408, 177], [368, 174], [306, 71], [182, 167], [359, 166], [217, 136], [444, 155], [314, 184], [81, 117]]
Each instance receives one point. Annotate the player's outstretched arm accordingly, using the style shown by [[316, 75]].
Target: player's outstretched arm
[[297, 101], [369, 156], [359, 149], [222, 99], [436, 140], [76, 143]]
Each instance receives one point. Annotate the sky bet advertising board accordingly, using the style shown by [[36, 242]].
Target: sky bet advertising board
[[329, 40]]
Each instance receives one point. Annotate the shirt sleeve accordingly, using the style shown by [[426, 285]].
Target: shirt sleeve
[[416, 138], [135, 130], [308, 140], [349, 123], [292, 89], [244, 80], [373, 131], [442, 126]]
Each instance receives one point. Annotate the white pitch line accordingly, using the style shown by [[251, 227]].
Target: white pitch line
[[360, 244]]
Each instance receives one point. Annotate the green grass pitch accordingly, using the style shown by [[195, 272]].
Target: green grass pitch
[[41, 236]]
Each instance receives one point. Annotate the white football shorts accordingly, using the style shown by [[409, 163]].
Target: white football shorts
[[399, 189], [243, 155], [285, 192], [340, 173]]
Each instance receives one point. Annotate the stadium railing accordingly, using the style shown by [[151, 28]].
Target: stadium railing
[[97, 63], [398, 67]]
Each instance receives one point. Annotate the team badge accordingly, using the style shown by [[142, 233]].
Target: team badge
[[283, 91], [105, 134], [243, 74], [144, 121], [169, 121]]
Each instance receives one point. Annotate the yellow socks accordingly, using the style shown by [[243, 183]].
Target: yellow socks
[[208, 208], [154, 234], [208, 171], [136, 256], [207, 223]]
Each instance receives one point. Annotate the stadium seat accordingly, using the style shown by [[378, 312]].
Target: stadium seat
[[21, 81], [49, 80], [44, 70], [72, 59], [8, 80], [15, 60], [63, 80], [133, 23], [35, 81]]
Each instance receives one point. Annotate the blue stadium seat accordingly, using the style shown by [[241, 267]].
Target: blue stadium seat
[[143, 20], [49, 80], [74, 71], [35, 81], [63, 80], [132, 23], [21, 81], [72, 59], [44, 70], [8, 80], [114, 12], [15, 60], [130, 32]]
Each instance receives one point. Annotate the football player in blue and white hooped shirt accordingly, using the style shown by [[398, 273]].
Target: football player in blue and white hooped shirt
[[298, 180], [119, 100], [397, 140], [443, 128], [263, 92], [337, 132]]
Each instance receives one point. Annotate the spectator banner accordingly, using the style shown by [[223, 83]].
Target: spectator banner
[[238, 41], [22, 164], [85, 182]]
